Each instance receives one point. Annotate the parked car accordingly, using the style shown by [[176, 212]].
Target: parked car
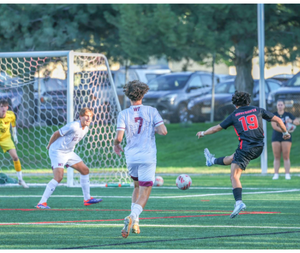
[[199, 109], [52, 104], [143, 73], [170, 93], [289, 93], [11, 91], [282, 77]]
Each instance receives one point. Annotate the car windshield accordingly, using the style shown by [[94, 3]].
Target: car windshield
[[170, 82], [294, 82]]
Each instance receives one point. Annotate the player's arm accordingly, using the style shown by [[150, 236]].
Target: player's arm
[[117, 142], [161, 129], [14, 133], [281, 127], [211, 130], [14, 129], [53, 138]]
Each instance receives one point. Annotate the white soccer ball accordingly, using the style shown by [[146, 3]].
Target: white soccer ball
[[290, 127], [183, 182], [159, 181]]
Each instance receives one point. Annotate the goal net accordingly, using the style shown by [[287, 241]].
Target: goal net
[[46, 90]]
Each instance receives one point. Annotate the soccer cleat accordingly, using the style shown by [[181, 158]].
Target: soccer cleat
[[127, 226], [42, 206], [287, 176], [208, 157], [22, 182], [275, 177], [135, 228], [91, 201], [237, 209]]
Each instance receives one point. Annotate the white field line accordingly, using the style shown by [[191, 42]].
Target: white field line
[[153, 197], [147, 225]]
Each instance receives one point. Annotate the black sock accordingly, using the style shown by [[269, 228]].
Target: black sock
[[237, 193], [219, 161]]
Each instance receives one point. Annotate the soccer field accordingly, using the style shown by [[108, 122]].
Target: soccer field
[[197, 218]]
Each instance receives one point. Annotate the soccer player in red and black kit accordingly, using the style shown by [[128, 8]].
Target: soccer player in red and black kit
[[247, 123]]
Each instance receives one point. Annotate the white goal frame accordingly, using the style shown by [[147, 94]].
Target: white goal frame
[[70, 83]]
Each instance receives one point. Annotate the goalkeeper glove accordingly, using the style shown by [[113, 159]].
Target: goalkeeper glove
[[14, 131]]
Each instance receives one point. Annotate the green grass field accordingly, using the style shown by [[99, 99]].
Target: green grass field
[[197, 218]]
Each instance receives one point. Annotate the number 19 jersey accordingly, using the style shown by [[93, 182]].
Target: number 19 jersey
[[247, 123], [139, 124]]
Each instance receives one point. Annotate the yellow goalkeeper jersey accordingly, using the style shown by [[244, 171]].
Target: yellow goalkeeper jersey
[[10, 118]]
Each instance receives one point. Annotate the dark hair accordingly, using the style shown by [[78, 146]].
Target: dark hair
[[280, 100], [240, 98], [3, 102], [84, 110], [135, 90]]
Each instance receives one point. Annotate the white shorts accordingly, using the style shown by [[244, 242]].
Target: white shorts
[[59, 160], [142, 172]]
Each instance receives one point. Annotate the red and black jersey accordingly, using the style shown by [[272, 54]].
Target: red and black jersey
[[247, 123]]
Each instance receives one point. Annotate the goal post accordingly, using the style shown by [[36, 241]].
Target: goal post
[[47, 90]]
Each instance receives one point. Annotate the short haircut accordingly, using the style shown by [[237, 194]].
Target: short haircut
[[280, 100], [3, 102], [240, 98], [85, 110], [135, 90]]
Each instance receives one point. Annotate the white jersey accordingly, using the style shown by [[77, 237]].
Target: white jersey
[[139, 124], [71, 134]]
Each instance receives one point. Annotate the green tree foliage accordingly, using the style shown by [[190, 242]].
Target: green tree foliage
[[196, 31], [26, 27]]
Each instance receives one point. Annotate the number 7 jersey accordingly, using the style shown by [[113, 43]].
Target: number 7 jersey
[[247, 123], [139, 124]]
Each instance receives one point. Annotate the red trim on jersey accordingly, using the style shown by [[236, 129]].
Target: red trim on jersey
[[241, 141]]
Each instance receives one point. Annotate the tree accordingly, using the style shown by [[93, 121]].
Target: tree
[[196, 31]]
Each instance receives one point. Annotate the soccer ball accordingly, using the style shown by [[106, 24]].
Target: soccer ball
[[183, 182], [158, 181], [290, 127]]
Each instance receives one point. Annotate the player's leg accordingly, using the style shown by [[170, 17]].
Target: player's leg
[[58, 174], [17, 165], [211, 160], [84, 179], [276, 147], [146, 174], [286, 148], [8, 145], [235, 175], [135, 194], [134, 224]]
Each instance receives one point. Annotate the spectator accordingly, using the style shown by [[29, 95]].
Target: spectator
[[280, 145]]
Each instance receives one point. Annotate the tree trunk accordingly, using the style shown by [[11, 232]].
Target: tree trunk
[[243, 64]]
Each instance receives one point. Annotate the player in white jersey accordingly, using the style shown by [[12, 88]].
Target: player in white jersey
[[61, 151], [140, 123]]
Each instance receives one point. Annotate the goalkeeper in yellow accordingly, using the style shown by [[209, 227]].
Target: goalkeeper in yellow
[[8, 118]]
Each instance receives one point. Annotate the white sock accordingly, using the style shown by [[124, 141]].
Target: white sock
[[49, 190], [19, 173], [238, 202], [213, 160], [136, 211], [275, 174], [137, 219], [85, 186]]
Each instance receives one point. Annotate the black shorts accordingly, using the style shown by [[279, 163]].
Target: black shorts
[[243, 157], [280, 139]]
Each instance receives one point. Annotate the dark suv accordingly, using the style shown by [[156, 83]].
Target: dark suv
[[200, 108], [290, 93], [170, 93]]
